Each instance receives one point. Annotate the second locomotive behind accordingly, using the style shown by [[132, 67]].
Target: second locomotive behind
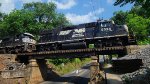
[[20, 43]]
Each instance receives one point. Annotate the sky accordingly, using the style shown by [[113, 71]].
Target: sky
[[76, 11]]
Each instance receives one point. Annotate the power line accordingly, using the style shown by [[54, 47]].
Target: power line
[[100, 6], [93, 7]]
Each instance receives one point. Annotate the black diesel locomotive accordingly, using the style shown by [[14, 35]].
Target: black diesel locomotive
[[19, 43], [103, 33]]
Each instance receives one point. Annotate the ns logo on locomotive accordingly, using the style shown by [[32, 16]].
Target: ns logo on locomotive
[[103, 33]]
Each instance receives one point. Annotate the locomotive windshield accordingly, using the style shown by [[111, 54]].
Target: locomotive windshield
[[28, 35], [105, 24], [28, 38]]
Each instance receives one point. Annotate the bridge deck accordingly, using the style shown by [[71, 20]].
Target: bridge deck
[[78, 53]]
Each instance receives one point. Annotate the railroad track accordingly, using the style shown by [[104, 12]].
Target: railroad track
[[75, 51]]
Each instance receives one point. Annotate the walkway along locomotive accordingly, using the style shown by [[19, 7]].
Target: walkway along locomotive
[[103, 33]]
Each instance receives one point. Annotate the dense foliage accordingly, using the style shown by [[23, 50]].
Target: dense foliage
[[31, 18], [65, 60], [143, 3], [137, 19], [120, 17]]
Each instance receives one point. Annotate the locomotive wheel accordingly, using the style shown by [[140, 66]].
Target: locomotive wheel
[[29, 50], [16, 50], [98, 45], [8, 51]]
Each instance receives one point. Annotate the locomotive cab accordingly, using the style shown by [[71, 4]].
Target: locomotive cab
[[28, 38], [109, 34], [104, 29], [29, 42]]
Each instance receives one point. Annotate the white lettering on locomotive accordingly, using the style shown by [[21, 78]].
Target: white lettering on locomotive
[[78, 32], [106, 29], [65, 32]]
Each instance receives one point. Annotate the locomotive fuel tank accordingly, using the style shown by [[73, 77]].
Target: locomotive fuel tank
[[78, 45]]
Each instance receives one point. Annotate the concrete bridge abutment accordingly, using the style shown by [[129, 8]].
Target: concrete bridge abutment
[[38, 70], [95, 77]]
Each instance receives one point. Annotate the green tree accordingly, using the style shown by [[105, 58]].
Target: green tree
[[138, 10], [32, 18], [137, 20], [139, 25], [136, 2], [19, 21], [2, 16], [45, 13], [59, 61], [119, 17], [145, 4]]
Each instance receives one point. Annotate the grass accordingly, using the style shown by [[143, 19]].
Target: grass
[[144, 42], [70, 66]]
